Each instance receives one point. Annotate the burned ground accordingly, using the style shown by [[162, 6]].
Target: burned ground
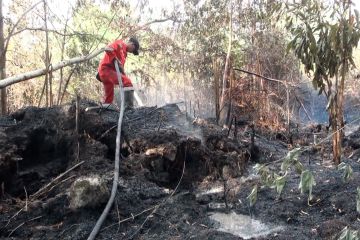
[[161, 148]]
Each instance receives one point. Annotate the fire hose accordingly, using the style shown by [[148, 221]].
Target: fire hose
[[110, 202]]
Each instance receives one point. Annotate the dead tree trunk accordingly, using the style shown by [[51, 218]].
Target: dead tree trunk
[[337, 115], [216, 89], [48, 80], [2, 62], [227, 61], [3, 49], [333, 119], [62, 58], [40, 72], [229, 110]]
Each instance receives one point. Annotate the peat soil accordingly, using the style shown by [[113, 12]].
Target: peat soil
[[173, 173]]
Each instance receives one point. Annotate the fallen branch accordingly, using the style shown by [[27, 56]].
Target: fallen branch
[[14, 216], [107, 131], [302, 105], [26, 200], [260, 76], [39, 72], [41, 190], [129, 218], [23, 224], [67, 229], [56, 184], [118, 215]]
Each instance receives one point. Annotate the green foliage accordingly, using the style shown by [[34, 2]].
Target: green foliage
[[280, 182], [307, 182], [271, 179], [323, 38], [291, 159], [348, 234], [253, 196], [347, 171], [266, 176]]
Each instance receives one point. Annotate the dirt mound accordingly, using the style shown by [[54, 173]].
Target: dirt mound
[[42, 155], [40, 144]]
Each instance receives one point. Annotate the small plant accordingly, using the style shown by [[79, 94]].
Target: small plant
[[291, 159], [271, 179], [306, 183], [347, 171], [348, 234], [266, 176], [253, 196], [279, 183]]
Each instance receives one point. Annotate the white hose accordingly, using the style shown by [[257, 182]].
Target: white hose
[[101, 219]]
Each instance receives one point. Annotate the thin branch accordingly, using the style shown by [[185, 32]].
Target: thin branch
[[130, 218], [41, 190], [227, 61], [302, 105], [55, 31], [157, 21], [260, 76], [32, 219], [16, 24], [65, 87], [62, 58]]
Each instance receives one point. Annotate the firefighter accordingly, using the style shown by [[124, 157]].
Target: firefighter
[[107, 73]]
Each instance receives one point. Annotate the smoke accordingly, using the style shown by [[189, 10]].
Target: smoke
[[195, 101]]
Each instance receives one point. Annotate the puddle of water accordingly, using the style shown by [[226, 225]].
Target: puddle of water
[[216, 205], [351, 128], [242, 225], [211, 191]]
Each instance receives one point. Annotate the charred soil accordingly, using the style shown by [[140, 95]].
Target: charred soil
[[41, 155]]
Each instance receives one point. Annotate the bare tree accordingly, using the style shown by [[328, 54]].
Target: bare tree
[[226, 71], [4, 44], [2, 60], [62, 58]]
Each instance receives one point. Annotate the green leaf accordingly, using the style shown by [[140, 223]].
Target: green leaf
[[280, 182], [347, 171], [253, 196], [312, 44], [348, 234], [358, 199], [330, 102], [307, 182], [292, 156], [351, 60], [290, 46], [299, 168], [258, 168]]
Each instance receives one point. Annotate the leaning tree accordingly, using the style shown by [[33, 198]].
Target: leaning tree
[[324, 36]]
